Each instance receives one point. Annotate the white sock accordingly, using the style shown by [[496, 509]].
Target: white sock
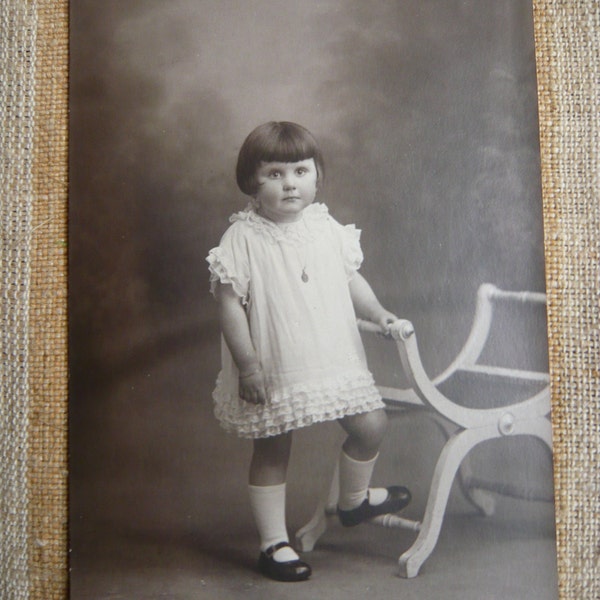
[[377, 496], [268, 507], [355, 476]]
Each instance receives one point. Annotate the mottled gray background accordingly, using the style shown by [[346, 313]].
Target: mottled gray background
[[426, 113]]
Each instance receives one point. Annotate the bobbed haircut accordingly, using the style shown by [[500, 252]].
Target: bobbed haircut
[[275, 141]]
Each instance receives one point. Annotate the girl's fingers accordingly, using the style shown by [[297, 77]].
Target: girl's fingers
[[246, 394], [385, 324], [261, 395], [253, 395]]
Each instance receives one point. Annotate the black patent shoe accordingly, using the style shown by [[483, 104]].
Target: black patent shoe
[[397, 499], [290, 570]]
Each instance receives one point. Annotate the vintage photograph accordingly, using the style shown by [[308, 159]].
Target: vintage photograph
[[307, 339]]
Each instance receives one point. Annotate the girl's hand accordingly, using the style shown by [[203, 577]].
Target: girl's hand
[[384, 321], [252, 387]]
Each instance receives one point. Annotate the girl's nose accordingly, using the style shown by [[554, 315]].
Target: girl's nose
[[289, 182]]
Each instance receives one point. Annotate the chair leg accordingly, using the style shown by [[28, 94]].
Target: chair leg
[[481, 500], [307, 536], [457, 447]]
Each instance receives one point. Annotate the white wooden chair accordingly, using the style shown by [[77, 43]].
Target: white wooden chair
[[464, 427]]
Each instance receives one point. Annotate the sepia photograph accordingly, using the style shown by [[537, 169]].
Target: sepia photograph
[[307, 313]]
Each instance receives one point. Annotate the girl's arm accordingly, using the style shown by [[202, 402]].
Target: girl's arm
[[366, 304], [236, 331]]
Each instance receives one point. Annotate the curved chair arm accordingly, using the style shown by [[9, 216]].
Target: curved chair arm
[[480, 329], [426, 390], [404, 327]]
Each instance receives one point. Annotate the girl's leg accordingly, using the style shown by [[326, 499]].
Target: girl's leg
[[365, 434], [270, 460], [357, 461], [268, 470], [359, 454], [266, 488]]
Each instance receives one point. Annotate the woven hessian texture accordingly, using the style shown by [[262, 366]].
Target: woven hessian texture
[[568, 59], [33, 209], [17, 64], [33, 172], [47, 545]]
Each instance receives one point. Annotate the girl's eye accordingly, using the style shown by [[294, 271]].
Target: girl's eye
[[301, 171], [275, 174]]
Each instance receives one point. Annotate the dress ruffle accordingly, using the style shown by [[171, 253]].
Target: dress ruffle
[[222, 270], [351, 250], [297, 405]]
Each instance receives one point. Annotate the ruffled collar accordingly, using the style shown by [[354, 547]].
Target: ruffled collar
[[298, 231]]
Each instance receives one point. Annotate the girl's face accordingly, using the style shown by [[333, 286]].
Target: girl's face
[[285, 189]]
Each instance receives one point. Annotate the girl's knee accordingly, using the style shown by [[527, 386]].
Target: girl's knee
[[270, 460], [367, 429], [273, 449], [377, 425]]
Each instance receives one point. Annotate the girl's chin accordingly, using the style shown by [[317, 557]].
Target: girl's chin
[[291, 218], [286, 216]]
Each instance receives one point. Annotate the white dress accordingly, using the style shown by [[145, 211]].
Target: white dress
[[303, 328]]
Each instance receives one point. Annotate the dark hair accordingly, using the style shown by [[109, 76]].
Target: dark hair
[[276, 141]]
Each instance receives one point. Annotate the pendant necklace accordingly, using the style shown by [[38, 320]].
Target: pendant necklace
[[302, 256], [304, 275], [301, 259]]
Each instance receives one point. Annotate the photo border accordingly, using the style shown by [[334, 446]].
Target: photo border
[[34, 58]]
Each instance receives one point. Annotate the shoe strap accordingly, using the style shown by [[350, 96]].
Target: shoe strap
[[272, 549]]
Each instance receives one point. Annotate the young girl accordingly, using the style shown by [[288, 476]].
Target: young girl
[[285, 276]]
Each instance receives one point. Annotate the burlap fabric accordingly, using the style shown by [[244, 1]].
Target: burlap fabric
[[33, 210]]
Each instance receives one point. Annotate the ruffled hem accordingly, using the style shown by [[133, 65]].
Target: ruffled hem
[[296, 406], [222, 270]]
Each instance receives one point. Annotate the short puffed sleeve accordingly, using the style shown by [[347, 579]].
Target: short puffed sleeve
[[228, 262], [349, 242]]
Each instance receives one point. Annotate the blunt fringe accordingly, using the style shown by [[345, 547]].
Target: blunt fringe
[[275, 141]]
